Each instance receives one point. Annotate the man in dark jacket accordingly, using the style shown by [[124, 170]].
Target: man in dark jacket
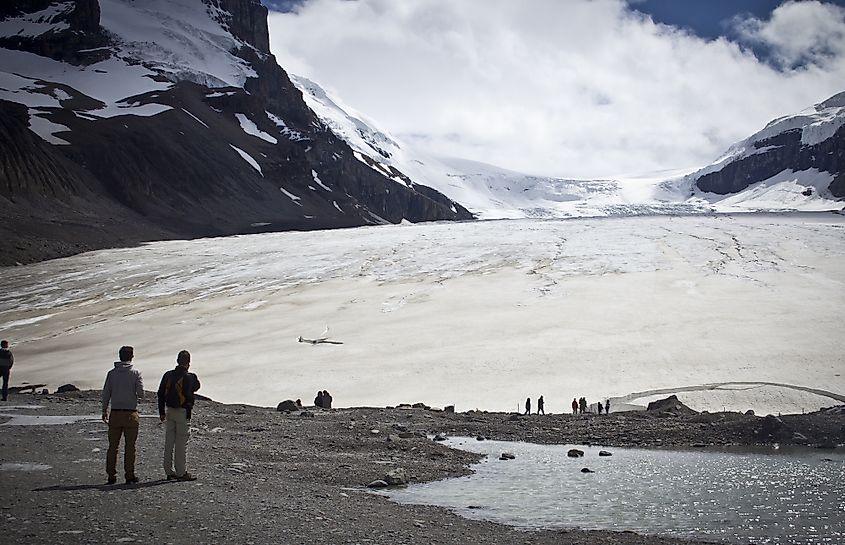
[[7, 360], [175, 402], [122, 389]]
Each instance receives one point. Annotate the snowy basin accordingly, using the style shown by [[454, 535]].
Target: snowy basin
[[772, 496]]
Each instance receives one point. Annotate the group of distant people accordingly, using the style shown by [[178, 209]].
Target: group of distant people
[[323, 400], [123, 388], [579, 406]]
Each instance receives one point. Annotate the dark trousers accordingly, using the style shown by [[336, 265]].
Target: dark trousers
[[123, 423], [4, 372]]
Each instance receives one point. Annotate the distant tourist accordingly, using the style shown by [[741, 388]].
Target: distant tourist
[[582, 404], [327, 400], [528, 405], [601, 407], [7, 360], [540, 405], [318, 401], [606, 406], [122, 389], [298, 403], [574, 406], [175, 403]]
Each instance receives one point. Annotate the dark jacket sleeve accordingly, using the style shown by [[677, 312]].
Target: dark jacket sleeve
[[160, 394]]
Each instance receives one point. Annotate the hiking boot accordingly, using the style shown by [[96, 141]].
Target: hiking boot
[[131, 480], [172, 477], [186, 477], [111, 480]]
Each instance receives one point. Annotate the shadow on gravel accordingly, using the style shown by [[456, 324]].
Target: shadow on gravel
[[101, 487]]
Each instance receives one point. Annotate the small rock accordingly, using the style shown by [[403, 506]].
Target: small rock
[[474, 507], [400, 427], [586, 470], [377, 484], [407, 435], [396, 477], [699, 445], [375, 431], [749, 412], [575, 453], [287, 405], [507, 456], [449, 409], [605, 453], [440, 437], [480, 438], [420, 406], [66, 388], [307, 414]]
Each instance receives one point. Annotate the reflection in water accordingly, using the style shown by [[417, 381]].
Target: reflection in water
[[768, 497]]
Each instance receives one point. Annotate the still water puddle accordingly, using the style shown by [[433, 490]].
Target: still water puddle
[[785, 496]]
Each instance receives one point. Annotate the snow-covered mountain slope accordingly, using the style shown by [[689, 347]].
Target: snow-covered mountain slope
[[124, 121], [795, 162], [491, 192]]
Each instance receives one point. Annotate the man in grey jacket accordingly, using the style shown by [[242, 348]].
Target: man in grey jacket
[[123, 388]]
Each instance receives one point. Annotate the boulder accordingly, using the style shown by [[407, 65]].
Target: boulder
[[377, 484], [396, 477], [774, 427], [507, 456], [307, 414], [66, 388], [449, 409], [287, 405], [575, 453], [480, 438], [420, 406], [586, 470], [669, 406], [440, 437], [605, 453], [749, 412]]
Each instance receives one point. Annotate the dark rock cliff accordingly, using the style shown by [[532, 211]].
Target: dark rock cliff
[[178, 174]]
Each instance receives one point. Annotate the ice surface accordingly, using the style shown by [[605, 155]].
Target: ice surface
[[477, 314], [39, 420]]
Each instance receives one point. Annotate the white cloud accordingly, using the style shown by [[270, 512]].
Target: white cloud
[[800, 33], [576, 88]]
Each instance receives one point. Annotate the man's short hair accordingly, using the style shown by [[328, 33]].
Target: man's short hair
[[4, 344], [183, 357], [126, 353]]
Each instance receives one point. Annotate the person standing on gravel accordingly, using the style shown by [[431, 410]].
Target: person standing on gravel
[[574, 406], [122, 389], [7, 360], [175, 402]]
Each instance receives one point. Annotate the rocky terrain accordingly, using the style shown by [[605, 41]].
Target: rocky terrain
[[267, 476]]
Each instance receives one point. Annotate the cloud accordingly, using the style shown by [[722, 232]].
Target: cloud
[[576, 88], [799, 33]]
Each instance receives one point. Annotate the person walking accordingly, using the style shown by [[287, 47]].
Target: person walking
[[175, 403], [606, 406], [574, 406], [540, 405], [7, 360], [123, 388], [600, 407], [528, 405]]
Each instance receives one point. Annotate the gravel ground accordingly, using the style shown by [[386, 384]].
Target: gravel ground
[[271, 477]]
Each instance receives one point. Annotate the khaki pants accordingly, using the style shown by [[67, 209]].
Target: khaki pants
[[177, 433], [123, 423]]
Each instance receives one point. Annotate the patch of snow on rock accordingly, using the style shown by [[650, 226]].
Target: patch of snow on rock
[[249, 127]]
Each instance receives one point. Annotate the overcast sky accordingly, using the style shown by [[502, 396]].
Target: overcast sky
[[571, 88]]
